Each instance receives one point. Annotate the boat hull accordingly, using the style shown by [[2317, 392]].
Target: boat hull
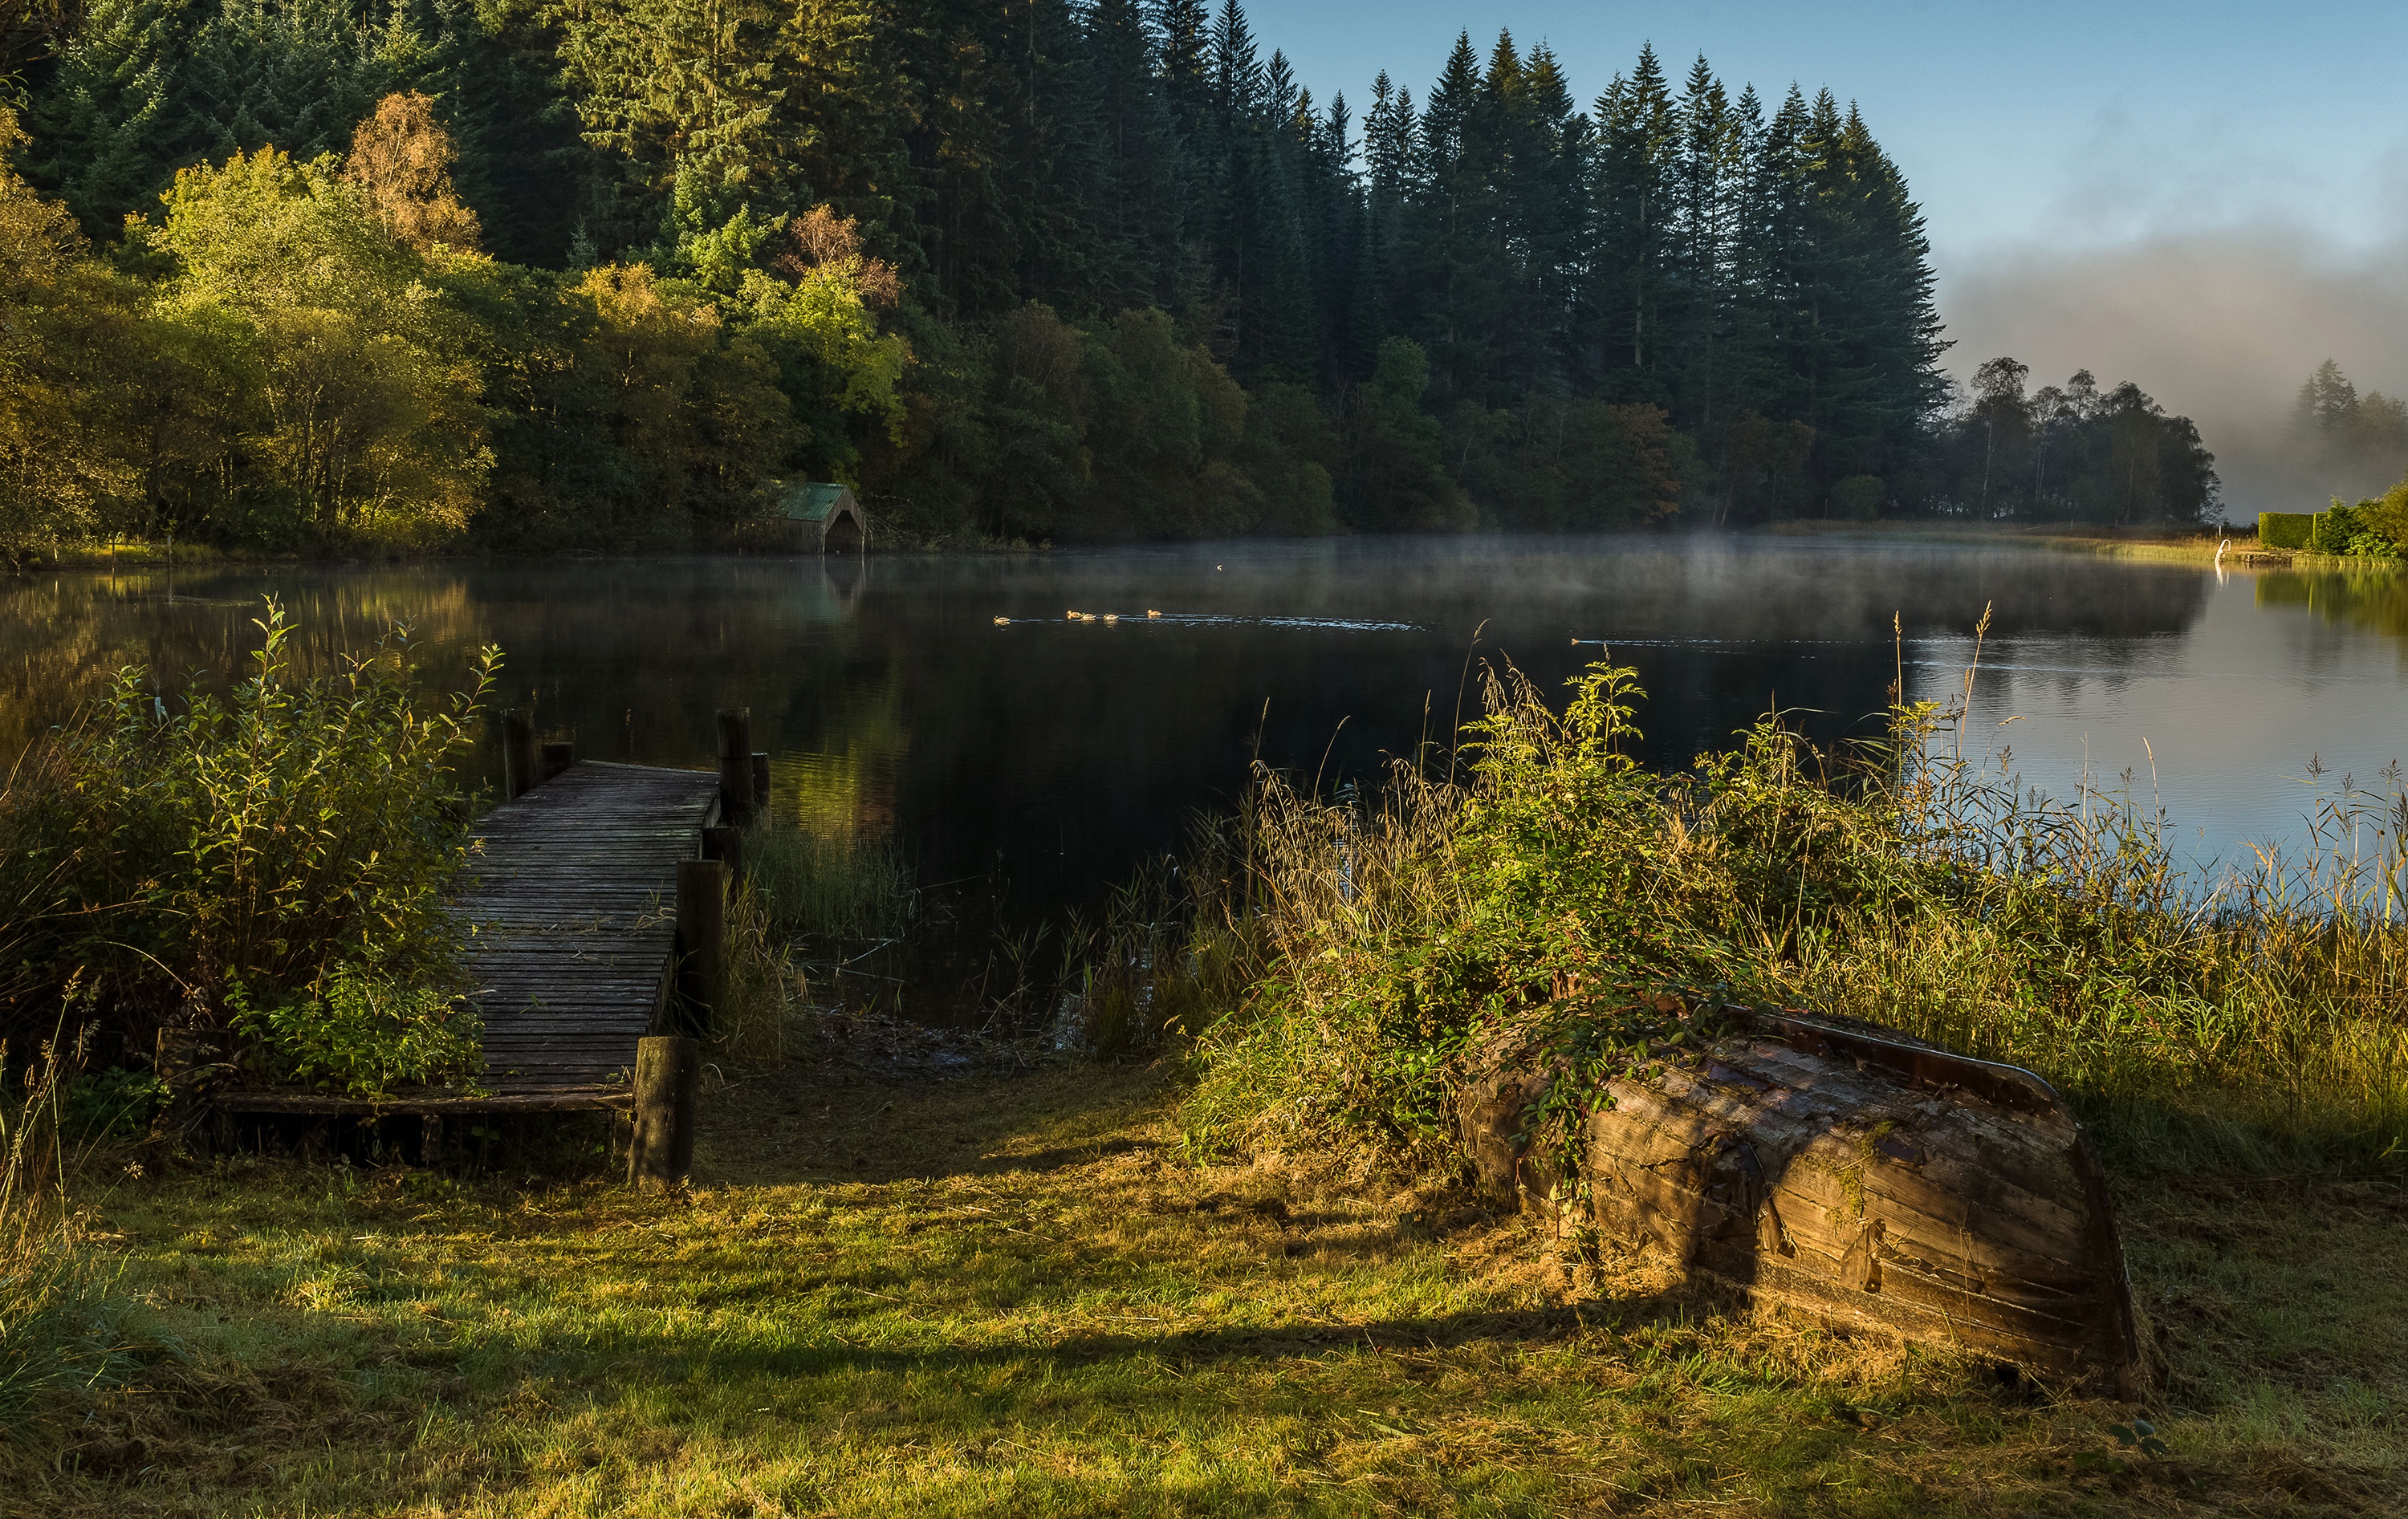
[[1872, 1181]]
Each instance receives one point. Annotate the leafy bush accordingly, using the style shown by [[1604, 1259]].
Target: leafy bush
[[2334, 527], [361, 1032], [2286, 529], [285, 846]]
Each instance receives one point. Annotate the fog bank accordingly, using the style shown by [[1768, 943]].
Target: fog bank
[[2221, 325]]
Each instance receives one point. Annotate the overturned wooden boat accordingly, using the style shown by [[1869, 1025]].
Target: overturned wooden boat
[[1871, 1180]]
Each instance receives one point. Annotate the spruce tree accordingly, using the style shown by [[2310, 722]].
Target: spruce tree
[[104, 124]]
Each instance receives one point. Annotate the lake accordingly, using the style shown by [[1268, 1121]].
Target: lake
[[895, 706]]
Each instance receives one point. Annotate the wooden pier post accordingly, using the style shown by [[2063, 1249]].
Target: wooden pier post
[[726, 846], [518, 752], [188, 1062], [668, 1071], [760, 785], [556, 758], [701, 926], [735, 766]]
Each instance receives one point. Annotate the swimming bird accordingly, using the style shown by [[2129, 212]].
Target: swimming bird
[[1003, 622], [1112, 617], [1151, 612]]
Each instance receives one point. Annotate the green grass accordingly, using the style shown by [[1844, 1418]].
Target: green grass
[[1015, 1296]]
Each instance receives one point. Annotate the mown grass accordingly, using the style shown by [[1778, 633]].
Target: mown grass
[[1016, 1296]]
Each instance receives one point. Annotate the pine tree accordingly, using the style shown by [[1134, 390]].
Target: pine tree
[[1633, 194], [296, 75], [102, 124]]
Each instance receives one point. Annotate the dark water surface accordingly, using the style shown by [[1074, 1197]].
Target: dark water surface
[[895, 706]]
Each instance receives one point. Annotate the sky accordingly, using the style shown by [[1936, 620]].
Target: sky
[[2206, 198]]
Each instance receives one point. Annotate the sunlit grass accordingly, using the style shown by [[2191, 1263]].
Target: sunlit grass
[[1011, 1295]]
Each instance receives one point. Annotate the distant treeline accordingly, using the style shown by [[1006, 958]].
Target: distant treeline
[[600, 274]]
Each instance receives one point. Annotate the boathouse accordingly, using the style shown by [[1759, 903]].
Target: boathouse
[[822, 516]]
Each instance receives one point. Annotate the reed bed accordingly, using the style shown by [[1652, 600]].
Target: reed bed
[[2250, 1015], [830, 888], [761, 995]]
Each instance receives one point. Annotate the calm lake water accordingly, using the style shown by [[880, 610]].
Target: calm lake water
[[895, 706]]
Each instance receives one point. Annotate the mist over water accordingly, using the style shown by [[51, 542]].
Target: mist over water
[[895, 706], [2221, 325]]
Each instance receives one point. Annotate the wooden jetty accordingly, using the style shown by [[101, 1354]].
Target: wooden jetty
[[593, 895], [1868, 1179]]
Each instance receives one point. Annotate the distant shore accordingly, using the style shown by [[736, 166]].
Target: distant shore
[[2171, 544]]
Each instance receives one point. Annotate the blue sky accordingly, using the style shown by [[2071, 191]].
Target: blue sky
[[2205, 198], [2047, 121]]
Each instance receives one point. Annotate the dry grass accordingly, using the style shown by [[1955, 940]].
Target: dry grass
[[1013, 1295], [57, 1311]]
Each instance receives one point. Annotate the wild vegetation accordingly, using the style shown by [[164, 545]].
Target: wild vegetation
[[267, 864], [1558, 883], [1103, 1286], [2070, 452], [888, 1294]]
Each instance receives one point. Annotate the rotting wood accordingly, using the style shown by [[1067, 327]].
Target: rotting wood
[[1868, 1178], [701, 931], [519, 773], [735, 764], [725, 845], [669, 1073]]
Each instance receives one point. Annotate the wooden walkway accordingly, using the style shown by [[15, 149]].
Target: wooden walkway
[[574, 906], [572, 901]]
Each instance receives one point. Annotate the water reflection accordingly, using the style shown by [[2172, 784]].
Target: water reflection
[[895, 703]]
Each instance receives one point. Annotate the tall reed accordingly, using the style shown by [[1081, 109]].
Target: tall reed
[[830, 888], [760, 989]]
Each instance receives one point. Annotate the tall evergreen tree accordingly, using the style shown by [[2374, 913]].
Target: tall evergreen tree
[[104, 124]]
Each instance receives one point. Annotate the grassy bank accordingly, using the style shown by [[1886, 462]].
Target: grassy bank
[[1014, 1295]]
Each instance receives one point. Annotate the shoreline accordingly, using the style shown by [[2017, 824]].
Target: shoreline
[[2138, 544]]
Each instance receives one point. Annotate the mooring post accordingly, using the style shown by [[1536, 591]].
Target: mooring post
[[556, 758], [188, 1062], [760, 785], [726, 846], [518, 752], [701, 924], [735, 766], [669, 1070]]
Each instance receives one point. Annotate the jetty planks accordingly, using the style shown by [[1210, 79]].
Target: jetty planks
[[571, 904], [570, 899]]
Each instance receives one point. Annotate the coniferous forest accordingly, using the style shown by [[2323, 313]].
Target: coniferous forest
[[603, 272]]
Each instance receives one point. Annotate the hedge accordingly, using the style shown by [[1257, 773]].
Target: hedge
[[2286, 529]]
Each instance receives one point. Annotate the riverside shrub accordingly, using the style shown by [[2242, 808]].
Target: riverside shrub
[[2286, 529], [271, 861]]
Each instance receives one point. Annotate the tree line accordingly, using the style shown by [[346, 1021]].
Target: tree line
[[604, 271]]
